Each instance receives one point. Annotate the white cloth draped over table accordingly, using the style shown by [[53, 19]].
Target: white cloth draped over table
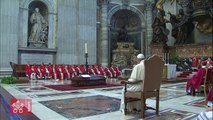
[[136, 75]]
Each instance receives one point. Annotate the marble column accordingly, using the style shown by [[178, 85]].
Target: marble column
[[149, 30], [104, 34]]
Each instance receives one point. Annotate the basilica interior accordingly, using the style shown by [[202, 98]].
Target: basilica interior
[[67, 59]]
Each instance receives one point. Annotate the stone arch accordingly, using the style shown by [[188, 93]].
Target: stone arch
[[138, 35], [50, 7], [131, 8]]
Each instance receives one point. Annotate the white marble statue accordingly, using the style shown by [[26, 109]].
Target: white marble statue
[[39, 28]]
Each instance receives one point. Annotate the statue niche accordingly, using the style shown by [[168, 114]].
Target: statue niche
[[39, 30], [125, 53], [125, 38]]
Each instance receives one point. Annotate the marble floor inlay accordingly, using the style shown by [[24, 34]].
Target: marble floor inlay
[[172, 114], [103, 103], [198, 103], [176, 87], [33, 89], [169, 94], [58, 94], [84, 106]]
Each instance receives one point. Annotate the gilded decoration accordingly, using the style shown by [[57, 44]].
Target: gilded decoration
[[204, 25], [124, 55], [202, 15], [185, 51]]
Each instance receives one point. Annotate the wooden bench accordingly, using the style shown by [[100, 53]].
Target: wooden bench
[[19, 72]]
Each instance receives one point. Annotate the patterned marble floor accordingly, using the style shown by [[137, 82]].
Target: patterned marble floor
[[103, 103]]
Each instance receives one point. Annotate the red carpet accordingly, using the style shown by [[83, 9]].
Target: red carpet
[[69, 87], [184, 74]]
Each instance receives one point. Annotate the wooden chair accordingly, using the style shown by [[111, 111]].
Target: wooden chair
[[151, 85], [208, 81]]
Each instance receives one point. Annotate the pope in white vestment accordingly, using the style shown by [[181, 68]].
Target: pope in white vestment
[[136, 75]]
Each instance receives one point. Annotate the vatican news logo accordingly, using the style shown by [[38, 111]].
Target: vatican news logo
[[20, 106]]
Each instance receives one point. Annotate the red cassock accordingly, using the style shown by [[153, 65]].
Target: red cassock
[[81, 69], [65, 71], [108, 72], [204, 62], [196, 80], [96, 70], [47, 72], [101, 69], [59, 72], [28, 70], [91, 70], [76, 69], [210, 95], [113, 71], [211, 62], [195, 61], [33, 70], [50, 69], [72, 71], [38, 72], [118, 71], [54, 73], [42, 68]]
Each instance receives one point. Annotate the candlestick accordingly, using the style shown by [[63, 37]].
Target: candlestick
[[86, 64], [86, 48], [168, 58]]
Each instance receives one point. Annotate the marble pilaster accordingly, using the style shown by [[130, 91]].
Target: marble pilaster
[[149, 30], [76, 26], [104, 34], [23, 22], [9, 11]]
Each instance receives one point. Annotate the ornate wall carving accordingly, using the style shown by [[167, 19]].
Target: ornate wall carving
[[191, 50], [185, 50]]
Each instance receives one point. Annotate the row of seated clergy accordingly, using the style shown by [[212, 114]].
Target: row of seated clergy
[[196, 61], [203, 75], [68, 71]]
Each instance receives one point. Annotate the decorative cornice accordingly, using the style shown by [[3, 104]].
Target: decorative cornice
[[125, 2]]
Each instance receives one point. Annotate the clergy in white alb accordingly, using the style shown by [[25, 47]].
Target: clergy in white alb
[[136, 75]]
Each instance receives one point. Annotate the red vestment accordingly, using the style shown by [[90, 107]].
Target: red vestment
[[65, 71], [101, 69], [195, 61], [210, 95], [59, 73], [108, 72], [196, 80], [71, 70], [28, 70]]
